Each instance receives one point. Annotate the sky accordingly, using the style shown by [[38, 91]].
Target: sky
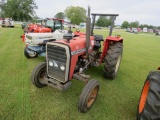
[[144, 11]]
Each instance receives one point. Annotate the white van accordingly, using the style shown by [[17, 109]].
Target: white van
[[145, 30], [7, 22]]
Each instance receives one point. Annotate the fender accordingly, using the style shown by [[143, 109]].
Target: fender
[[107, 42]]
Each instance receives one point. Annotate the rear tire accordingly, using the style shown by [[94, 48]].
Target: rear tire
[[149, 103], [27, 55], [37, 77], [88, 96], [112, 60]]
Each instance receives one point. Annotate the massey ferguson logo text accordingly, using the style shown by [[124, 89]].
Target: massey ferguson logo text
[[78, 51]]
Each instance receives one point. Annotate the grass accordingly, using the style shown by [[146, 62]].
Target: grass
[[117, 99]]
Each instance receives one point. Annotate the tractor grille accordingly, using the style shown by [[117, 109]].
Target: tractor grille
[[58, 55]]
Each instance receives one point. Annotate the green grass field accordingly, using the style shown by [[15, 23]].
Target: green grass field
[[117, 99]]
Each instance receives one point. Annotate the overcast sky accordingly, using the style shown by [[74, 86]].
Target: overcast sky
[[144, 11]]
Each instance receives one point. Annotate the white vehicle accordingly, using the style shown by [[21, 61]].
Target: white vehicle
[[36, 42], [128, 30], [134, 30], [82, 25], [158, 32], [7, 22], [145, 30]]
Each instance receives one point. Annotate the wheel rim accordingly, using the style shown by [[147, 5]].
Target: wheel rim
[[92, 97], [118, 63], [144, 96], [41, 76], [32, 55]]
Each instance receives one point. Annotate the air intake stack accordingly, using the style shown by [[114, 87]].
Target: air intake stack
[[88, 32]]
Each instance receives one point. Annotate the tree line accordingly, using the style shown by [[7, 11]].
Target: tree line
[[18, 9], [136, 24], [24, 10]]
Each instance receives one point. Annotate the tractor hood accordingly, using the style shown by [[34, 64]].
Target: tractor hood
[[34, 39], [78, 44]]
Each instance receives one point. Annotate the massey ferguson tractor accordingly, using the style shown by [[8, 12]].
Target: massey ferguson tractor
[[70, 57], [149, 103], [36, 42]]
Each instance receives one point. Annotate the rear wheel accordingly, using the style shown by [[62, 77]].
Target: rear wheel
[[88, 95], [28, 55], [149, 103], [112, 60], [38, 74]]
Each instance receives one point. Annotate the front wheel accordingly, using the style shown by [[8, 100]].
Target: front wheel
[[30, 54], [112, 60], [88, 96], [38, 74], [149, 103]]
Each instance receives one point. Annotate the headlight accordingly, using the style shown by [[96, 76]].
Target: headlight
[[62, 67], [50, 63]]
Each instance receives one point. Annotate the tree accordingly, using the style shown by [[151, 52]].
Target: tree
[[2, 4], [147, 26], [143, 25], [19, 9], [134, 24], [75, 14], [150, 27], [35, 18], [125, 24], [103, 21], [60, 15]]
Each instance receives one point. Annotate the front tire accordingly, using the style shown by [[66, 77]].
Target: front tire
[[149, 103], [112, 60], [27, 55], [38, 74], [88, 96]]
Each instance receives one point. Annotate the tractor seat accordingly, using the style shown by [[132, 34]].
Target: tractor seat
[[99, 38]]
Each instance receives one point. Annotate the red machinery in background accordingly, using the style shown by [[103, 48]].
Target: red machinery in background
[[45, 26]]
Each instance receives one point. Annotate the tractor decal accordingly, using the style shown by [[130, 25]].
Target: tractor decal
[[79, 51], [45, 37]]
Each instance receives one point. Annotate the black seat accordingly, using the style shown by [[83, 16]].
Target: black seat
[[99, 38]]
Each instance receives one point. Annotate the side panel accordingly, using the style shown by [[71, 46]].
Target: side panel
[[74, 60]]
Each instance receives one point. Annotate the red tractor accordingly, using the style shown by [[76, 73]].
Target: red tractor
[[46, 26], [149, 103], [70, 57]]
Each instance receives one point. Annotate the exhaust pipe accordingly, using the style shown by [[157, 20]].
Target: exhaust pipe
[[88, 32]]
